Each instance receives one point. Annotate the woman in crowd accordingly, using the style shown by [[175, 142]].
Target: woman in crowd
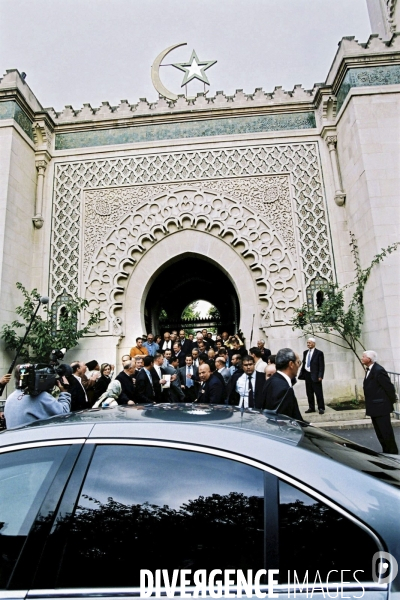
[[110, 396], [101, 385]]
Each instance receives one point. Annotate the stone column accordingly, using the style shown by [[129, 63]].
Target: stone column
[[38, 218], [340, 195]]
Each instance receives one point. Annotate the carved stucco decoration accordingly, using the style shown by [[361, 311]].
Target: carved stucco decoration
[[268, 196], [251, 236], [239, 172]]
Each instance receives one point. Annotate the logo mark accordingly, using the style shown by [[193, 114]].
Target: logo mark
[[384, 567]]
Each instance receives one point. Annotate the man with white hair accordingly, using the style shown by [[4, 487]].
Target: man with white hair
[[312, 371], [265, 352], [380, 396]]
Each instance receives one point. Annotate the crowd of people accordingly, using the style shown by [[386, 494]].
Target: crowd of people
[[177, 367]]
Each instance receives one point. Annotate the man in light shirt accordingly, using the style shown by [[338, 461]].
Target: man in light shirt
[[260, 364], [150, 345], [312, 371], [247, 391], [221, 368]]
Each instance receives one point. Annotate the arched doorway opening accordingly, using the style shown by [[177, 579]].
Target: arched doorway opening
[[185, 280]]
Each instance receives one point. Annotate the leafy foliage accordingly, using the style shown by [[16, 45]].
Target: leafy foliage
[[42, 338], [213, 313], [333, 317], [190, 311]]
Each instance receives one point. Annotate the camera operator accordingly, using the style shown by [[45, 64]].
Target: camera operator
[[21, 408]]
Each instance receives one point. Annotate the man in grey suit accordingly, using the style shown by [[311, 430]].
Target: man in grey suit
[[176, 394], [221, 368], [188, 377]]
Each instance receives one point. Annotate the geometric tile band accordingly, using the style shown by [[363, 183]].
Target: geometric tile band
[[300, 160], [187, 129]]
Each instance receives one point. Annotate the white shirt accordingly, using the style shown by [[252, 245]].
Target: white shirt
[[80, 381], [309, 354], [260, 366], [158, 369], [242, 388], [167, 345], [286, 377], [369, 370]]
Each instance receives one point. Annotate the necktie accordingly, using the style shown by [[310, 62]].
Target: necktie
[[189, 381], [308, 359], [366, 372], [251, 394]]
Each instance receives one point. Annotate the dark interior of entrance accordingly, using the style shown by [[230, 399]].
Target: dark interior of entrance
[[185, 281]]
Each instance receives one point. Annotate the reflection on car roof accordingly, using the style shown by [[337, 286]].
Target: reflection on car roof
[[253, 421]]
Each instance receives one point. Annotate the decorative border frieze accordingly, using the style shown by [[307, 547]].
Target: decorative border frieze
[[11, 110], [184, 130], [367, 76]]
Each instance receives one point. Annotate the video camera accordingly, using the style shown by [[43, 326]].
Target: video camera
[[38, 378]]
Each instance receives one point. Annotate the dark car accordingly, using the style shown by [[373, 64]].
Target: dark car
[[181, 499]]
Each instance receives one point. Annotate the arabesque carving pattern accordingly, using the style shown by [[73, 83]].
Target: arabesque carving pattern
[[269, 196], [250, 235], [300, 160]]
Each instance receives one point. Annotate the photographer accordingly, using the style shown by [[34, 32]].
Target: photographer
[[22, 408]]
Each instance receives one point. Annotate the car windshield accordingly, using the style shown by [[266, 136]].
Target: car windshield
[[351, 454]]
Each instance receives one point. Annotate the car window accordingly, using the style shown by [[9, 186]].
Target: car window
[[160, 508], [25, 476], [352, 455], [314, 537]]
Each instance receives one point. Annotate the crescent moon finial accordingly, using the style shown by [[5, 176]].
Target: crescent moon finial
[[155, 73]]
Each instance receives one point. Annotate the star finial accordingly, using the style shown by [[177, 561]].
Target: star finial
[[194, 69]]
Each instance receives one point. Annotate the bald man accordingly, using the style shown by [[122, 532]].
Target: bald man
[[212, 390]]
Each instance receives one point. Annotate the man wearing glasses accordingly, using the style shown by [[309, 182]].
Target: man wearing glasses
[[278, 394]]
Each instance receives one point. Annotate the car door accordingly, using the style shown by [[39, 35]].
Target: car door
[[137, 516], [32, 478]]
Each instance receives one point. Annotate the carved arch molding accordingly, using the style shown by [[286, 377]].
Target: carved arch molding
[[265, 202]]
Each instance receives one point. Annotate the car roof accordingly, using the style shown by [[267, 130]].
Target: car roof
[[263, 423]]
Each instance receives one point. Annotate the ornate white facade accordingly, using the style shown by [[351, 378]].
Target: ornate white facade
[[266, 187]]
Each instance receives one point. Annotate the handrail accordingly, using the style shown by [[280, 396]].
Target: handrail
[[395, 379]]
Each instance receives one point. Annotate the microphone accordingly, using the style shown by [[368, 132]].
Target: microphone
[[44, 300]]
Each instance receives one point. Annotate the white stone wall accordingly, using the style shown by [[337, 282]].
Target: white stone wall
[[17, 198], [369, 152]]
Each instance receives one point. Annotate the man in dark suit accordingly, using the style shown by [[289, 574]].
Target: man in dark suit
[[380, 396], [246, 386], [212, 390], [312, 371], [265, 352], [157, 372], [278, 394], [185, 343], [197, 344], [125, 377], [79, 399], [145, 384], [180, 355], [188, 376]]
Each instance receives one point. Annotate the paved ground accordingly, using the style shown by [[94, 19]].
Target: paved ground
[[366, 437]]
